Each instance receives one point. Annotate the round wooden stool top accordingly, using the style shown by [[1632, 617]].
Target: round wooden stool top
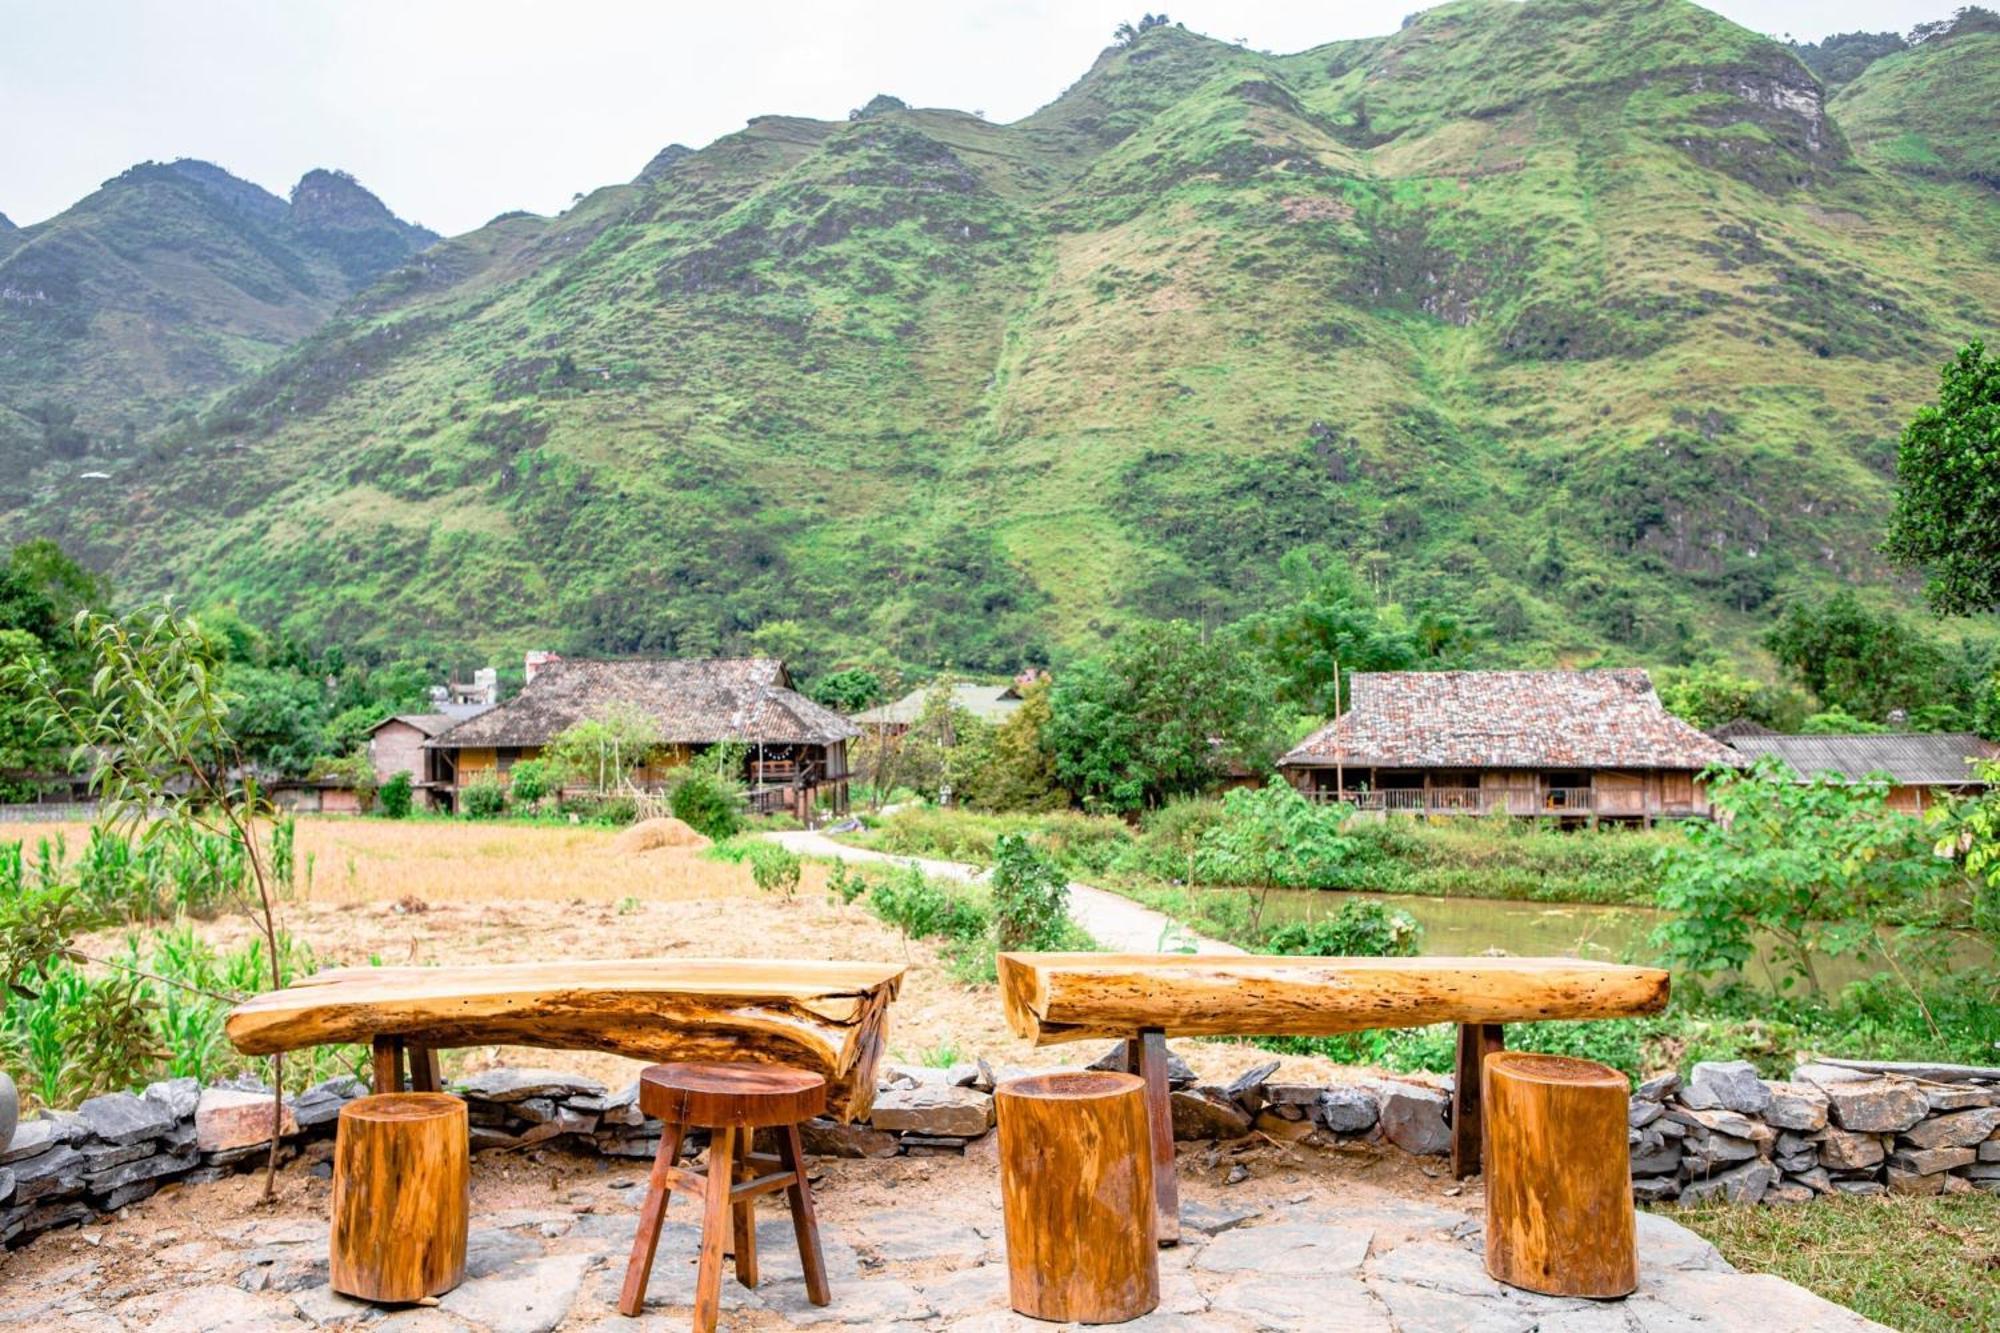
[[1072, 1085], [1558, 1070], [740, 1096], [388, 1107]]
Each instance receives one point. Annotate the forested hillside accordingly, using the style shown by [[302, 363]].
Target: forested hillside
[[1592, 321]]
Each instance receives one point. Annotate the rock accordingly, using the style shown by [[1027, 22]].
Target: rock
[[933, 1110], [1247, 1087], [1789, 1142], [1901, 1181], [6, 1186], [1880, 1106], [1347, 1110], [912, 1076], [1745, 1184], [1656, 1156], [1960, 1129], [523, 1298], [1293, 1094], [1413, 1118], [1287, 1248], [321, 1103], [1825, 1076], [623, 1108], [1210, 1219], [120, 1117], [830, 1138], [1308, 1301], [1655, 1189], [1179, 1073], [225, 1119], [1794, 1163], [33, 1137], [1960, 1096], [1844, 1151], [1815, 1179], [1862, 1187], [1659, 1087], [1639, 1114], [1796, 1106], [506, 1084], [146, 1168], [1989, 1151], [54, 1173], [1786, 1191], [963, 1076], [104, 1156], [1729, 1085], [1706, 1151], [1721, 1121], [1930, 1161], [176, 1095], [1207, 1113], [1285, 1129]]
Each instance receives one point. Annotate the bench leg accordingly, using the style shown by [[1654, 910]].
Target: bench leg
[[646, 1241], [424, 1073], [387, 1063], [1476, 1041], [1146, 1056]]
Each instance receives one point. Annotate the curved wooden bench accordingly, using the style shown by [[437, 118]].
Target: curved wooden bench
[[1145, 998], [827, 1017]]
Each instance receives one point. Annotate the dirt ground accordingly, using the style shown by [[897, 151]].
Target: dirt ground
[[436, 892]]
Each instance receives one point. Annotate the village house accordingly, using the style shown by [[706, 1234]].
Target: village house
[[1574, 746], [399, 744], [797, 749], [1922, 767], [992, 704]]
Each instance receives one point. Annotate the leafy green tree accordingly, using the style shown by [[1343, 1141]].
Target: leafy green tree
[[848, 690], [1330, 619], [1274, 837], [1947, 516], [1156, 716], [277, 718], [532, 779], [1019, 770], [1969, 831], [484, 798], [1856, 660], [1030, 897], [1710, 694], [395, 796], [1839, 722], [1360, 929], [1811, 866], [708, 803], [603, 750]]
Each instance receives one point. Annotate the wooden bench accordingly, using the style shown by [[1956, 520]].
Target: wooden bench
[[1142, 999], [827, 1017]]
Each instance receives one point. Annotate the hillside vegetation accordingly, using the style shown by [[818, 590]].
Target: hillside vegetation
[[1591, 320]]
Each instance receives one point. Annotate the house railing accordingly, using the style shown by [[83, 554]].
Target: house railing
[[1464, 800]]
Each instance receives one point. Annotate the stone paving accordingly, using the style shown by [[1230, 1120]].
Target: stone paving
[[919, 1249]]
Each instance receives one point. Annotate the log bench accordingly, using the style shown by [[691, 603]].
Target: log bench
[[1142, 999], [826, 1017]]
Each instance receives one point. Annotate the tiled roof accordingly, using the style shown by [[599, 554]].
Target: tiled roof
[[988, 703], [1935, 759], [430, 724], [1508, 719], [693, 702]]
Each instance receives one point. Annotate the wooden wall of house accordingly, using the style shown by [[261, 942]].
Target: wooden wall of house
[[397, 747]]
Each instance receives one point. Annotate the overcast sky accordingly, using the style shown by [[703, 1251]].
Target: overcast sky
[[454, 112]]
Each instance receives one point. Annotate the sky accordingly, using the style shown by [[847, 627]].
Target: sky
[[456, 111]]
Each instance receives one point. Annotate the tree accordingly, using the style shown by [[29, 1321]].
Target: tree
[[1157, 715], [1710, 694], [1274, 837], [603, 750], [1855, 660], [1330, 619], [1947, 515], [1019, 772], [848, 690], [277, 718]]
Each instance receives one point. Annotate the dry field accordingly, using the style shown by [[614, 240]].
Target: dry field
[[429, 892]]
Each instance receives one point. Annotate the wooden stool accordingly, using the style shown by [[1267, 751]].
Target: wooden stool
[[1076, 1189], [1559, 1216], [402, 1187], [732, 1102]]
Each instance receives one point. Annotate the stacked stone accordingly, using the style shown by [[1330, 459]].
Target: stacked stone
[[1731, 1135]]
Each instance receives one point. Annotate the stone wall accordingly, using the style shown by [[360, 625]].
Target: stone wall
[[1725, 1134]]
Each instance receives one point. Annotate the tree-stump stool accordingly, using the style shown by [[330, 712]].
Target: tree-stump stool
[[402, 1189], [1559, 1215], [1076, 1189], [732, 1102]]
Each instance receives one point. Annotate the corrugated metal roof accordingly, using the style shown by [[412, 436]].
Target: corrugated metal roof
[[988, 703], [1508, 719], [694, 702], [1914, 759]]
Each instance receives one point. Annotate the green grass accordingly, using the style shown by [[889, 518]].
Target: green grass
[[1918, 1265]]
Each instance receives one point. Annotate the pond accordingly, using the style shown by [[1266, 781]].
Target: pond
[[1460, 926]]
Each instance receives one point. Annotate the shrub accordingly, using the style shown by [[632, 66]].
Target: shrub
[[1030, 897], [484, 799], [395, 797], [530, 780], [708, 804], [616, 811], [923, 909], [774, 869], [1360, 929], [845, 885]]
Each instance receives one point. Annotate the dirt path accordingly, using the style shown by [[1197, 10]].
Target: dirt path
[[1114, 921]]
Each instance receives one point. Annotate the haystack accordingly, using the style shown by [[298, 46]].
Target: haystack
[[652, 834]]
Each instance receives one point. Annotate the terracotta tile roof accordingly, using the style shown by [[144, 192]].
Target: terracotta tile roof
[[1918, 760], [1508, 719], [692, 701]]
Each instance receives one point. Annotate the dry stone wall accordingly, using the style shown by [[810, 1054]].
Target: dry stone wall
[[1723, 1134]]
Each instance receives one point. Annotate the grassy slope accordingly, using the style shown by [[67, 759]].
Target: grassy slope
[[944, 390]]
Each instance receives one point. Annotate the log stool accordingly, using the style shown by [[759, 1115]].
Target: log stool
[[402, 1188], [1076, 1189], [733, 1102], [1559, 1216]]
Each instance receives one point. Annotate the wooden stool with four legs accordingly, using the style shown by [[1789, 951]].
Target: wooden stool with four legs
[[732, 1102]]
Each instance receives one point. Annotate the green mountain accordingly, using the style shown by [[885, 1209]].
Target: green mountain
[[1589, 320], [168, 281], [1931, 110]]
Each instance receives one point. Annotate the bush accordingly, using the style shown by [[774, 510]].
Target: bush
[[484, 799], [396, 797], [1030, 897], [923, 909], [845, 885], [774, 869], [1360, 929], [531, 780], [709, 805]]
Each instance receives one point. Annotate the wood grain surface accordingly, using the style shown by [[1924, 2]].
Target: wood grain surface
[[1559, 1214], [402, 1193]]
